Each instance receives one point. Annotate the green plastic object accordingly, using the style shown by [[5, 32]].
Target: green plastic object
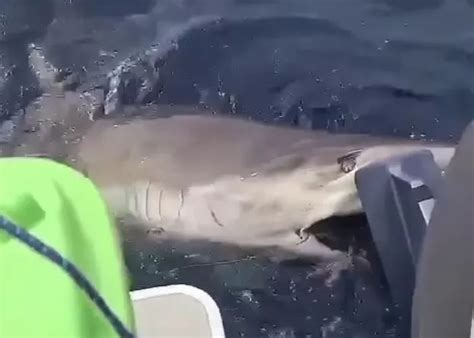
[[63, 209]]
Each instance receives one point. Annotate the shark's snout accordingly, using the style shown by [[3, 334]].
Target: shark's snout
[[442, 154]]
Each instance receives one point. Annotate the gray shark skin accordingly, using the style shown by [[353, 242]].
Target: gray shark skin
[[231, 181]]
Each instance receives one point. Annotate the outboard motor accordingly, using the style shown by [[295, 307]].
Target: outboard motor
[[411, 206]]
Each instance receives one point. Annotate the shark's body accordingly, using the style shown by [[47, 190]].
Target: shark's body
[[229, 180]]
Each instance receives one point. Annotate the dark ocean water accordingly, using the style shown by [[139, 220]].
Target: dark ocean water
[[378, 66], [388, 67]]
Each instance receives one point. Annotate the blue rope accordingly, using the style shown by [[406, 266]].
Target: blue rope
[[79, 278]]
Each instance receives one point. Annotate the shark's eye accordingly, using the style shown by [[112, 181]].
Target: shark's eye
[[348, 161], [348, 165]]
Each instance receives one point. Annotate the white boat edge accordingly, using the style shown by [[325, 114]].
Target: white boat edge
[[213, 311]]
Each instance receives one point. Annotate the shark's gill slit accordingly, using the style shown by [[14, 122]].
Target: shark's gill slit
[[159, 205], [181, 202], [135, 201], [147, 201]]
